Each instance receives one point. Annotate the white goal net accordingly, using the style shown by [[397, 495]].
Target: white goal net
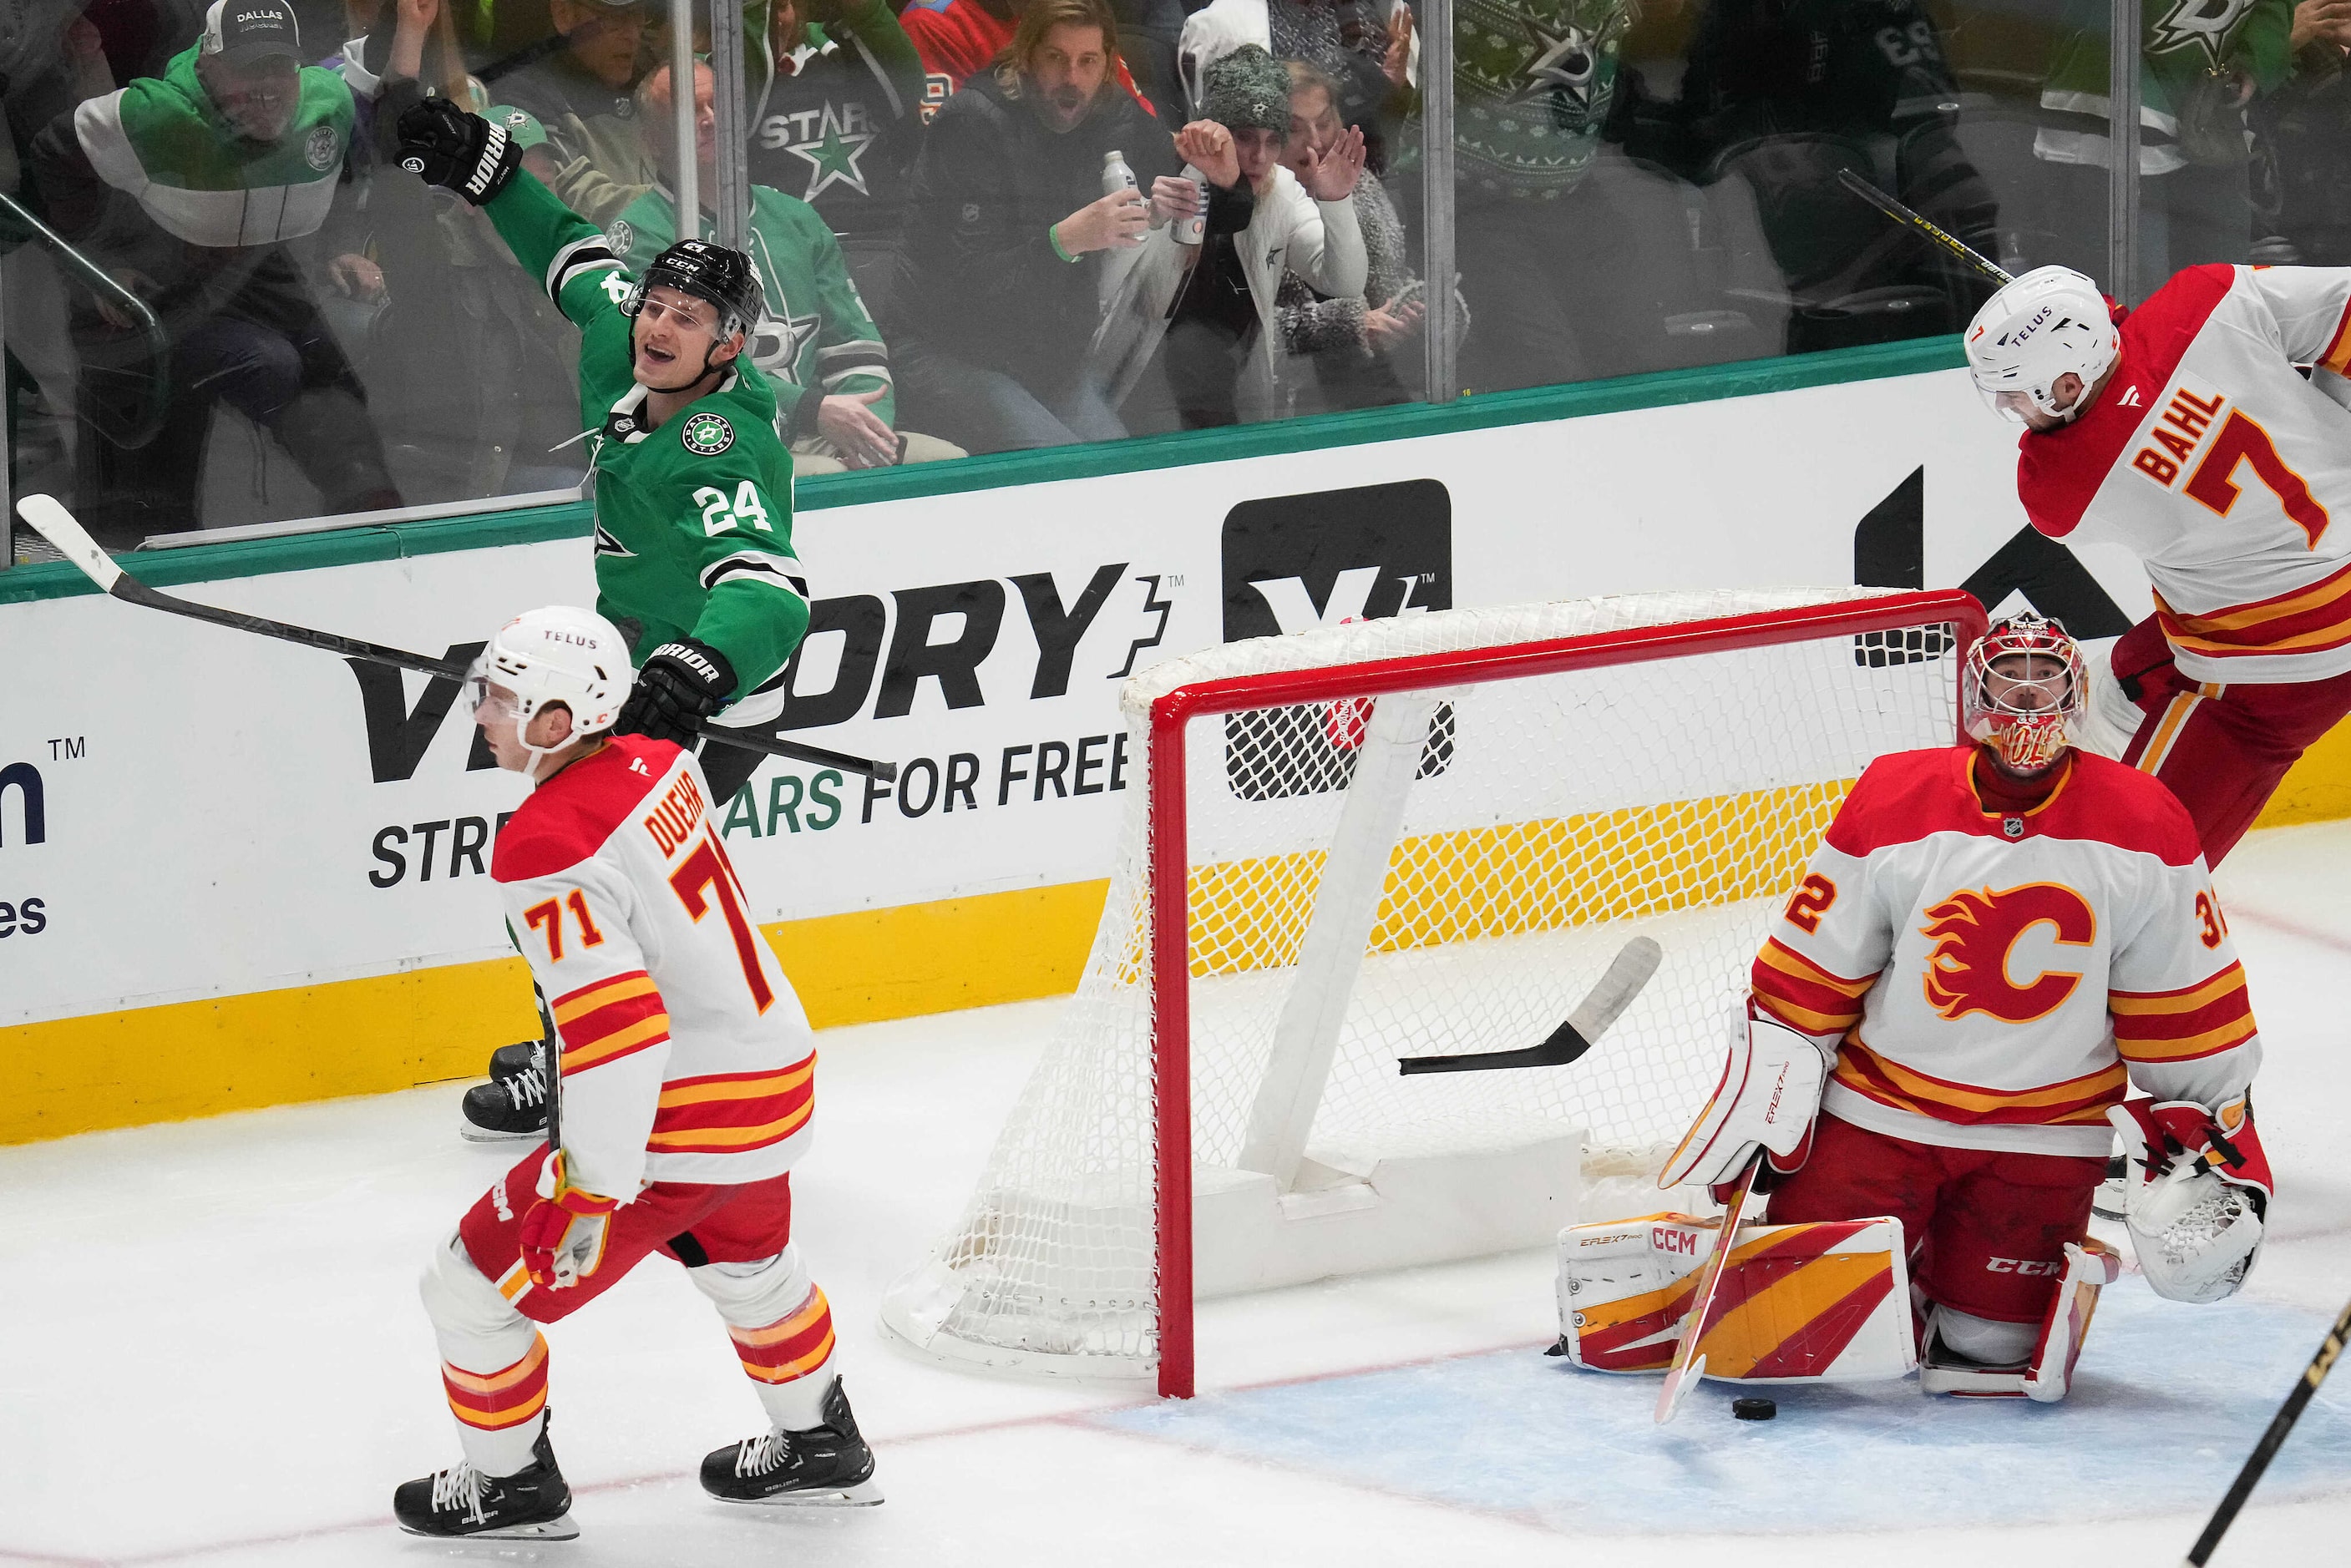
[[1416, 836]]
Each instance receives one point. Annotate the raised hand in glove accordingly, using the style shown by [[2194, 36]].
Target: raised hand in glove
[[682, 684], [446, 145], [563, 1235]]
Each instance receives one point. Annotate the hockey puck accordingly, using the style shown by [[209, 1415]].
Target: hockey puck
[[1753, 1409]]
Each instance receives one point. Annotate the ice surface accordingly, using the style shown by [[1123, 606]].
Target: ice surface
[[211, 1353]]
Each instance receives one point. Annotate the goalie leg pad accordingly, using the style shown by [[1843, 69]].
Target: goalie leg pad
[[1972, 1356], [1819, 1302]]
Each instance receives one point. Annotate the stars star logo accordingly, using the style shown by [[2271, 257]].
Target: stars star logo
[[1565, 60], [832, 157], [2204, 22]]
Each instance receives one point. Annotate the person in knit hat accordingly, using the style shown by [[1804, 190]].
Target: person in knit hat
[[1217, 297]]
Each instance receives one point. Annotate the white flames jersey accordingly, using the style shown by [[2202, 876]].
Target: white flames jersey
[[2223, 468], [1997, 982], [685, 1055]]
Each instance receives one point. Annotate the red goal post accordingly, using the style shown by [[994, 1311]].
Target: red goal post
[[1040, 1275]]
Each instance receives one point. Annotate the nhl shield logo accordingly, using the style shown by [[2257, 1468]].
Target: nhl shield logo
[[2013, 826], [322, 149], [707, 435]]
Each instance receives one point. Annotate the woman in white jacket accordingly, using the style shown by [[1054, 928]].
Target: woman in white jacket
[[1212, 304]]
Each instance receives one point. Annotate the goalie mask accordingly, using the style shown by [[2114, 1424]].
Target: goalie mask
[[2051, 321], [2022, 684], [556, 656]]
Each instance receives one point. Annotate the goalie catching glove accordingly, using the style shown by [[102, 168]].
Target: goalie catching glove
[[446, 145], [563, 1230], [2195, 1195], [1769, 1093], [681, 684]]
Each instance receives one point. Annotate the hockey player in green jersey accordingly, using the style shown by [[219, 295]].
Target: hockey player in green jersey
[[693, 487]]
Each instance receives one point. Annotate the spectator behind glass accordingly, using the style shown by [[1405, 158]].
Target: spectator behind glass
[[1221, 349], [1784, 95], [2195, 190], [580, 96], [2302, 152], [1532, 87], [188, 188], [961, 39], [1011, 244], [818, 349], [1363, 47], [841, 123], [471, 365], [1347, 345]]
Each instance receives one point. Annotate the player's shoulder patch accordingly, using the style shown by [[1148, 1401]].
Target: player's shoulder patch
[[705, 435], [568, 819], [622, 236]]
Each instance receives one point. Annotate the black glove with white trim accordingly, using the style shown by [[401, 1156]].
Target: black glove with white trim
[[446, 145], [682, 684]]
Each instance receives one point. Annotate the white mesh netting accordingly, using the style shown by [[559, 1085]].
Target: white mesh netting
[[1550, 818]]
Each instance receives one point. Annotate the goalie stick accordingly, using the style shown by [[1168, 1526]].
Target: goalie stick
[[59, 526], [1690, 1362], [2266, 1449], [1910, 220], [1627, 973]]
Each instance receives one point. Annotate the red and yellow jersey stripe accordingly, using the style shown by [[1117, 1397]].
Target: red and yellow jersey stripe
[[2077, 1102], [733, 1113], [1804, 996], [2201, 1020], [610, 1019], [492, 1401], [2312, 619]]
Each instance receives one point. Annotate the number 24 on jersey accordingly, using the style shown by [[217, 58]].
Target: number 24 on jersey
[[721, 511]]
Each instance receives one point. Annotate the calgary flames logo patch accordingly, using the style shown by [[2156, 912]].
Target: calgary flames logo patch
[[1975, 931]]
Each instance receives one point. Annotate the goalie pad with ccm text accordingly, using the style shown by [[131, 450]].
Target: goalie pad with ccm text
[[1827, 1302]]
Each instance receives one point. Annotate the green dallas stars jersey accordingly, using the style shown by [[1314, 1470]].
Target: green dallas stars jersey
[[693, 522]]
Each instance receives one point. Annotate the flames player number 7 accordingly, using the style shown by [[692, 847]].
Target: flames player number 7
[[686, 1070]]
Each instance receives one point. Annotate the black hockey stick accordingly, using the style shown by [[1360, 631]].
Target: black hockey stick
[[2266, 1449], [1627, 973], [57, 525], [1910, 220]]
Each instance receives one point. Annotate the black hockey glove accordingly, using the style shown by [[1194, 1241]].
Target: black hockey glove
[[682, 684], [446, 145]]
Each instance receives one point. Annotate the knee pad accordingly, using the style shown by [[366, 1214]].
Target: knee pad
[[479, 1330], [754, 1294], [1988, 1340]]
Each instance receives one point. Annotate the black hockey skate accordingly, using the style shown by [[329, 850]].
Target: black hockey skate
[[510, 1106], [509, 1060], [824, 1467], [532, 1504]]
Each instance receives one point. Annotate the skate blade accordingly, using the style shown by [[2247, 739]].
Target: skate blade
[[561, 1529], [473, 1134], [864, 1494]]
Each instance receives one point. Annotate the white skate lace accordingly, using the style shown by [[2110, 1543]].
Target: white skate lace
[[528, 1087], [458, 1490], [757, 1456]]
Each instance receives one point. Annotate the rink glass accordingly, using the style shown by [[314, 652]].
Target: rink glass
[[1623, 189]]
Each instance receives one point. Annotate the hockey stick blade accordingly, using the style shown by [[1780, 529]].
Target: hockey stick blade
[[1627, 973], [60, 528], [1690, 1362], [1910, 220]]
